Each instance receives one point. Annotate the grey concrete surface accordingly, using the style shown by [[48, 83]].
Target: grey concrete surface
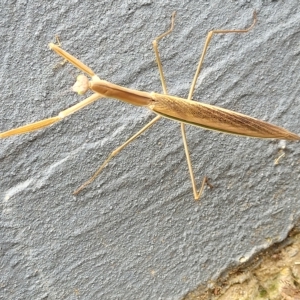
[[136, 232]]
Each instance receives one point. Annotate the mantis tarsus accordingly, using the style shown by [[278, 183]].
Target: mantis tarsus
[[182, 110]]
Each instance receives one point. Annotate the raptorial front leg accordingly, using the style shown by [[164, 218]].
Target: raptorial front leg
[[47, 122]]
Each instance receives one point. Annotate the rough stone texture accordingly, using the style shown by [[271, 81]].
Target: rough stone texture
[[137, 233]]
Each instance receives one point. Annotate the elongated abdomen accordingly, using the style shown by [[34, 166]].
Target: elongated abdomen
[[216, 118]]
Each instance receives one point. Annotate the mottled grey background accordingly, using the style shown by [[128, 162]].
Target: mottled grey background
[[137, 233]]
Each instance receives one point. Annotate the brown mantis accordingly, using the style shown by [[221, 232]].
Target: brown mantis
[[181, 110]]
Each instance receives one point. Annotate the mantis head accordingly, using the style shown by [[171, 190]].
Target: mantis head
[[81, 85]]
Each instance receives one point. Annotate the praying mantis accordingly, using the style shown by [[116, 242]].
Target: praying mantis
[[184, 111]]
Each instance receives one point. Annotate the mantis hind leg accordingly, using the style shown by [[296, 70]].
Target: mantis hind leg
[[209, 36]]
